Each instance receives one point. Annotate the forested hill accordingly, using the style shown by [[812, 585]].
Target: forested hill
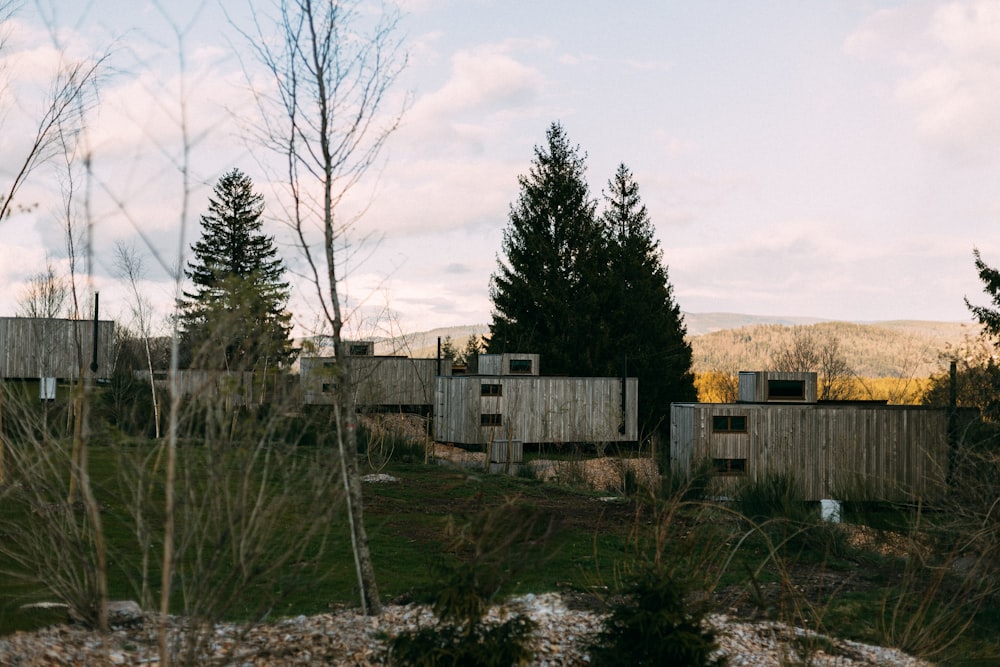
[[905, 348], [733, 342]]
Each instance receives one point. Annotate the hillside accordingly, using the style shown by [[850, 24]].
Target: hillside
[[735, 341], [906, 349]]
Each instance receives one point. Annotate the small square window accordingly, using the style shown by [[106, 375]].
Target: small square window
[[729, 466], [520, 366], [786, 390], [490, 419], [729, 423], [491, 390]]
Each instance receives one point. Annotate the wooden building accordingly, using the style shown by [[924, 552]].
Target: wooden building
[[380, 382], [33, 348], [509, 400], [832, 449]]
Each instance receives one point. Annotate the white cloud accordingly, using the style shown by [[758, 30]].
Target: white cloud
[[947, 64]]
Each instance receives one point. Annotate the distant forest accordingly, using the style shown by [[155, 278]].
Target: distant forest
[[900, 349]]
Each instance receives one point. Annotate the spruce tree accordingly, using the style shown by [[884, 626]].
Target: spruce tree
[[543, 299], [648, 331], [234, 317]]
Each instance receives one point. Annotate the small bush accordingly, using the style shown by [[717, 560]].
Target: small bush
[[489, 645], [654, 626], [489, 550]]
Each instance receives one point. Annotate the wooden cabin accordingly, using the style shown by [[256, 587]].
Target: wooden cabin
[[509, 400], [36, 347], [380, 382], [839, 450]]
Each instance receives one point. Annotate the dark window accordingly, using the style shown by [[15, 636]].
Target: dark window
[[359, 350], [329, 387], [491, 390], [729, 423], [520, 365], [490, 419], [786, 390], [729, 466], [329, 364]]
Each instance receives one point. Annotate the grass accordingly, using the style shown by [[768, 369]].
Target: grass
[[589, 545]]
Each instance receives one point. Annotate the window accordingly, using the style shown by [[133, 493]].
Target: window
[[786, 390], [729, 466], [491, 390], [329, 364], [359, 350], [729, 424], [329, 387], [490, 419], [520, 366]]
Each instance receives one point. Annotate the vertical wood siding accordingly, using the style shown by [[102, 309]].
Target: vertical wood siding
[[37, 347], [833, 451], [535, 409], [378, 381]]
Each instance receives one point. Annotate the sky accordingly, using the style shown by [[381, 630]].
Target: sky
[[833, 159]]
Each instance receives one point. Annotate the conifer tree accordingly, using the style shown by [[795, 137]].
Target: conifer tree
[[234, 317], [648, 331], [543, 300]]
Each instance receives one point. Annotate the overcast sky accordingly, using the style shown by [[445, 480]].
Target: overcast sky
[[834, 159]]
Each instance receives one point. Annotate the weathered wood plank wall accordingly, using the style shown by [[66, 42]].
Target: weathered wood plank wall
[[534, 409], [378, 381], [39, 347], [883, 452]]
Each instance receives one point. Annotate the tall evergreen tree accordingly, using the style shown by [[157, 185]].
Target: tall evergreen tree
[[542, 297], [235, 317], [648, 331]]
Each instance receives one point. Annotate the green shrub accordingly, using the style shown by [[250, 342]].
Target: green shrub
[[654, 626], [489, 549], [489, 645]]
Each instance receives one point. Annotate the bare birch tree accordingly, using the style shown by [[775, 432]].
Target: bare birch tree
[[333, 66]]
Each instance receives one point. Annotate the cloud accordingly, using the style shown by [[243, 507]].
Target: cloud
[[947, 66]]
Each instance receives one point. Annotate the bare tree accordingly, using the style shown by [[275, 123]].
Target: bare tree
[[332, 77], [818, 353], [129, 265]]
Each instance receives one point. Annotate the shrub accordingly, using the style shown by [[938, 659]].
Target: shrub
[[653, 625], [490, 548]]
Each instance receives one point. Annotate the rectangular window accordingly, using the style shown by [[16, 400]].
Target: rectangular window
[[329, 364], [729, 424], [359, 350], [522, 366], [491, 390], [729, 466], [786, 390], [490, 419], [329, 387]]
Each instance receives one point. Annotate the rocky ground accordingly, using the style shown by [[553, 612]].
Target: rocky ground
[[348, 638]]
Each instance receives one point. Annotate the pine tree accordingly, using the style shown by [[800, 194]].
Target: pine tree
[[234, 317], [542, 297], [648, 331]]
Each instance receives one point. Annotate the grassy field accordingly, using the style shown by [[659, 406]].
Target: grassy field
[[873, 578]]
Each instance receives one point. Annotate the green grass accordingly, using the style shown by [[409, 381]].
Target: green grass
[[587, 545]]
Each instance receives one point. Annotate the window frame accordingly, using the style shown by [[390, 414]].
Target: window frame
[[520, 362], [490, 389], [491, 419], [729, 467], [786, 391], [729, 427]]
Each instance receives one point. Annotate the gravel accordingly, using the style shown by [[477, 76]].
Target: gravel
[[346, 637]]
